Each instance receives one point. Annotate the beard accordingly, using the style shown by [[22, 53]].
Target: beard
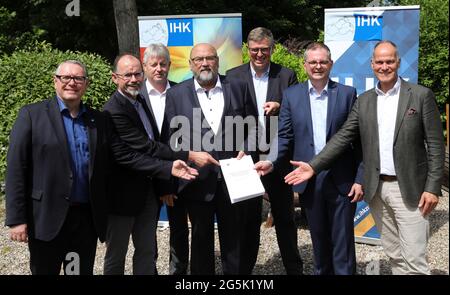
[[206, 77], [132, 91]]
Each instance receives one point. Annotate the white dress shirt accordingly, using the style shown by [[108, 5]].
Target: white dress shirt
[[387, 104], [319, 109], [158, 102], [212, 104], [261, 84]]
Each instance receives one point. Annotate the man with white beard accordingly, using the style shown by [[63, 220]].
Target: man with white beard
[[214, 100]]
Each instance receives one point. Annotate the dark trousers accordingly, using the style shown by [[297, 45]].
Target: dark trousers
[[330, 219], [283, 212], [77, 235], [179, 238], [201, 214]]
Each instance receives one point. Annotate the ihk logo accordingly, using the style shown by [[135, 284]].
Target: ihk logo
[[180, 27], [73, 8]]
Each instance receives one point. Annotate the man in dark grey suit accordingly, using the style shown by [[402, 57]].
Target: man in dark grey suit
[[197, 117], [403, 155], [156, 63], [266, 81]]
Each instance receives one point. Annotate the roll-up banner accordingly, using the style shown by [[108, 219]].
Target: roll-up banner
[[181, 32], [351, 34]]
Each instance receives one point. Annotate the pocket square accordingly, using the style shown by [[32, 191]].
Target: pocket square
[[411, 111]]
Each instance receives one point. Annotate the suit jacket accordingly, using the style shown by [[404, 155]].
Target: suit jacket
[[280, 78], [182, 105], [144, 94], [130, 188], [296, 139], [39, 176], [418, 142]]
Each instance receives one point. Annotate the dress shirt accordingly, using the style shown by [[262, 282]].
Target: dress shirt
[[261, 84], [158, 102], [212, 104], [319, 109], [387, 104], [137, 103], [77, 138]]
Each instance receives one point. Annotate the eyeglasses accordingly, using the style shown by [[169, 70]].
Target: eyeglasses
[[66, 79], [129, 76], [315, 63], [199, 59], [264, 50]]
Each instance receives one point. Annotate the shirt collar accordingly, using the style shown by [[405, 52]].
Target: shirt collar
[[264, 75], [198, 87], [393, 91], [63, 107], [150, 87], [313, 90]]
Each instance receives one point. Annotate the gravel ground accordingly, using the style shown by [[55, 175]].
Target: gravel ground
[[14, 256]]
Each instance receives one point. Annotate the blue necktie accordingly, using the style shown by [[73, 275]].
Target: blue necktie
[[144, 118]]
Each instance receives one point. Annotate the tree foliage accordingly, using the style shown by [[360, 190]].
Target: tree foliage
[[26, 77], [433, 47]]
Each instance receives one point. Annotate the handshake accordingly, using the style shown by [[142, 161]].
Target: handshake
[[182, 170]]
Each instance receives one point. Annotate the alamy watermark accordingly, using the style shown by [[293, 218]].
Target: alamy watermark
[[234, 133], [73, 8]]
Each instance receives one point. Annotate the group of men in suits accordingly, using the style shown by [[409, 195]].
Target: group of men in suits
[[157, 159]]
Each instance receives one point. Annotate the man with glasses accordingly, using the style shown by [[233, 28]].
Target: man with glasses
[[207, 102], [266, 81], [58, 163], [311, 113], [134, 205]]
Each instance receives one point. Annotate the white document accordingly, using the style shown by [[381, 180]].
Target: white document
[[241, 179]]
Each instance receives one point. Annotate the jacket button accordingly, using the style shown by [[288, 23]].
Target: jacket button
[[67, 198]]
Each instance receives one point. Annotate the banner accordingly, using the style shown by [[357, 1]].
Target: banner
[[181, 33], [351, 34]]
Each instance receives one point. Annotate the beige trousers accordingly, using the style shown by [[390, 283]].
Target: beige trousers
[[404, 231]]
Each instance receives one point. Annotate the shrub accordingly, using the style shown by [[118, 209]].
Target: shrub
[[26, 77]]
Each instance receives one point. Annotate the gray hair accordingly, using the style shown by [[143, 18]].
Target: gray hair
[[314, 46], [74, 62], [258, 34], [156, 50], [386, 42]]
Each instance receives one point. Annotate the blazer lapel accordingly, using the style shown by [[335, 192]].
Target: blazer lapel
[[403, 104], [251, 86], [54, 115], [371, 114], [148, 109], [89, 121], [332, 97], [272, 85], [306, 106]]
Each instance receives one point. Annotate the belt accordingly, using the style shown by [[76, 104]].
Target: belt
[[388, 177]]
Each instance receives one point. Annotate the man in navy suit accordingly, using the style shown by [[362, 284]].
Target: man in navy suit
[[197, 117], [266, 81], [310, 114]]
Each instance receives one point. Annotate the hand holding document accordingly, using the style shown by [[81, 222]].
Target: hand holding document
[[241, 179]]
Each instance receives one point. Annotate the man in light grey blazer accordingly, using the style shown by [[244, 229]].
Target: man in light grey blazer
[[403, 155]]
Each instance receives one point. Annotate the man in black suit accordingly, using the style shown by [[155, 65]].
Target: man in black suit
[[134, 206], [197, 116], [266, 81], [156, 63], [58, 161]]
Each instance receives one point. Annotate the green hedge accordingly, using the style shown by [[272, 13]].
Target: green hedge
[[26, 77]]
